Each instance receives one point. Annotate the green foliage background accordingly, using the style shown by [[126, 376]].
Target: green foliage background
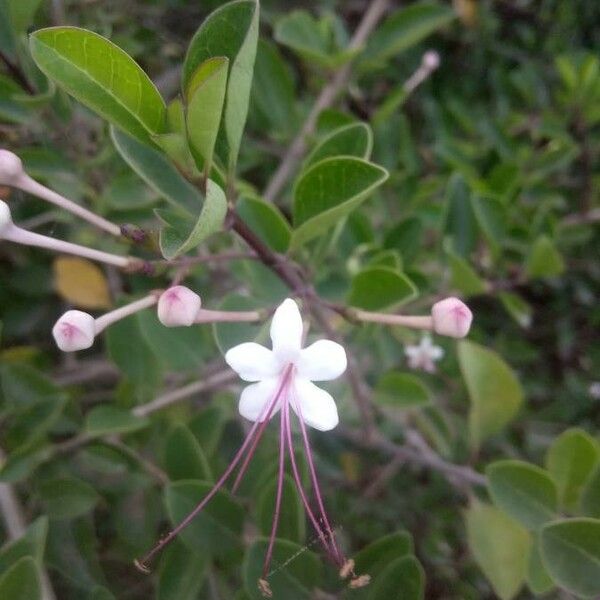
[[481, 480]]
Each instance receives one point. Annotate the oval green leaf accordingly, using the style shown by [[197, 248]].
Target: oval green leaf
[[109, 420], [67, 498], [402, 579], [402, 390], [355, 139], [21, 581], [266, 220], [184, 457], [378, 288], [181, 573], [102, 76]]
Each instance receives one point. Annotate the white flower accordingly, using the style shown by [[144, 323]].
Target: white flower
[[594, 390], [451, 317], [75, 330], [11, 167], [178, 306], [423, 355], [5, 217], [288, 364]]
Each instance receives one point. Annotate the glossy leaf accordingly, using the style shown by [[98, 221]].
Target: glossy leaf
[[266, 220], [180, 235], [402, 579], [570, 460], [355, 139], [329, 191], [571, 553], [378, 288], [294, 582], [21, 581], [494, 391], [101, 76], [374, 558], [181, 574], [523, 491], [205, 97], [500, 546], [402, 390]]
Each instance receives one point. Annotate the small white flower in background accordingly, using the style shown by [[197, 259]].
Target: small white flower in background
[[423, 355], [75, 330], [594, 390], [451, 317], [178, 306], [321, 361]]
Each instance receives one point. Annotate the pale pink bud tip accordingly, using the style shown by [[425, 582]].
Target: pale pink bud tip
[[5, 218], [75, 330], [431, 59], [451, 317], [11, 167], [178, 306]]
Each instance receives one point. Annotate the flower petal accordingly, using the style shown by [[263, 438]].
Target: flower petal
[[316, 406], [256, 397], [322, 361], [252, 362], [286, 331]]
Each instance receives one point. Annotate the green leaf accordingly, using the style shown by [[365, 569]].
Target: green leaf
[[180, 235], [463, 276], [517, 308], [329, 191], [217, 529], [184, 458], [21, 581], [544, 260], [571, 459], [205, 97], [374, 558], [523, 491], [231, 31], [355, 139], [402, 579], [100, 593], [538, 578], [101, 76], [500, 547], [292, 524], [110, 420], [67, 498], [494, 391], [590, 495], [406, 237], [402, 390], [378, 288], [571, 553], [22, 13], [460, 223], [405, 28], [24, 386], [181, 574], [228, 335], [266, 220], [157, 172], [32, 543], [296, 581]]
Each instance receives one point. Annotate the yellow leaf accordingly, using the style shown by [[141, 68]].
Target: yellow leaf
[[81, 283]]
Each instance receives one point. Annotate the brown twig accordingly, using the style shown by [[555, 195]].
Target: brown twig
[[326, 98], [17, 73]]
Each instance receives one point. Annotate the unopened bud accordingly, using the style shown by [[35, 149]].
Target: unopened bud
[[75, 330], [5, 217], [431, 60], [11, 167], [178, 306], [451, 317]]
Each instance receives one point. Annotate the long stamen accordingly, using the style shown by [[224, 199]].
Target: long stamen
[[277, 512], [141, 564], [299, 485], [259, 433], [315, 484]]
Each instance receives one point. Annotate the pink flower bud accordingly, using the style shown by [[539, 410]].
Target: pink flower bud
[[178, 306], [431, 60], [451, 317], [75, 330], [5, 217], [11, 167]]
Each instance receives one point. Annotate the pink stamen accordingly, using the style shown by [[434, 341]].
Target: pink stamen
[[277, 512], [315, 484], [299, 485]]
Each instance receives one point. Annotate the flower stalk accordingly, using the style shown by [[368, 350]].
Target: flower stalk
[[12, 173]]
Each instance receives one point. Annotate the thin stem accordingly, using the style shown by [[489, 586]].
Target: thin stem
[[299, 485], [17, 73], [113, 316], [213, 316], [29, 238], [279, 494], [414, 322], [141, 564], [315, 484], [28, 184]]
